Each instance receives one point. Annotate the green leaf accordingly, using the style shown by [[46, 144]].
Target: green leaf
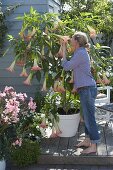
[[10, 37], [20, 18]]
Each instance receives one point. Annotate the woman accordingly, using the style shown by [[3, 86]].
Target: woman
[[85, 85]]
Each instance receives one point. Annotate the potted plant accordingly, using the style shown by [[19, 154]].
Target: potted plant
[[16, 120], [62, 111]]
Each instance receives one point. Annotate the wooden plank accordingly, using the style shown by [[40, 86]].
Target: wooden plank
[[106, 168], [63, 145], [53, 146], [77, 167], [75, 160], [109, 139], [81, 137], [45, 146], [94, 168], [72, 149], [59, 167], [101, 147], [86, 167]]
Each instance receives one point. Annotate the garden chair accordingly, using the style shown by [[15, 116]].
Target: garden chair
[[103, 98], [102, 103]]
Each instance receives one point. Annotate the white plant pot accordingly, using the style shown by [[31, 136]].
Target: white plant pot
[[2, 164], [68, 124]]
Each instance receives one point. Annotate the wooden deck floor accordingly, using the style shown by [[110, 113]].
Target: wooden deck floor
[[63, 150]]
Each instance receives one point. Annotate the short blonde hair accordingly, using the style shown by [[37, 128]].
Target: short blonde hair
[[82, 39]]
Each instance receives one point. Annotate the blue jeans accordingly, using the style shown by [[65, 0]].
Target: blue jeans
[[87, 98]]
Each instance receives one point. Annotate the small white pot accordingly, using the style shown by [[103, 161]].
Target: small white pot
[[2, 164], [68, 124]]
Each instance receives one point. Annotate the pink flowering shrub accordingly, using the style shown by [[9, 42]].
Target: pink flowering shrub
[[13, 105], [17, 115]]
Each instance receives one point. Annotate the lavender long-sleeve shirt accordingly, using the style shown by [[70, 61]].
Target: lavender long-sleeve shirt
[[80, 64]]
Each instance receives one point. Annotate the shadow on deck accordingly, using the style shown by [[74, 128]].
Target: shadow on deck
[[63, 150]]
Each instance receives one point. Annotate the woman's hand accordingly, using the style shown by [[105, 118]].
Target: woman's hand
[[63, 42], [64, 47]]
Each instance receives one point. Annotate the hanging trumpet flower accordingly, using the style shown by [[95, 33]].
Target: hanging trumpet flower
[[28, 37], [74, 91], [43, 123], [58, 86], [58, 131], [35, 66], [24, 73], [105, 79], [55, 88], [11, 67], [28, 80], [99, 79], [92, 31], [53, 134]]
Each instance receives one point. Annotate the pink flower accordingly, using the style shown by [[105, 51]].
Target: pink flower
[[6, 119], [8, 89], [58, 87], [28, 80], [61, 89], [105, 79], [12, 106], [35, 66], [74, 91], [43, 124], [24, 73], [53, 134], [58, 131], [22, 96], [17, 142], [2, 94], [92, 32], [99, 80], [11, 68], [65, 39], [55, 129], [32, 105], [20, 63]]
